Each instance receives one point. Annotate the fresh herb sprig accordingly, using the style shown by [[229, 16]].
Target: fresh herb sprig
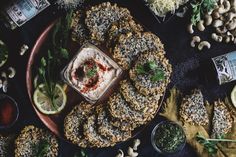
[[82, 153], [57, 54], [157, 74], [200, 8], [41, 148], [211, 144], [92, 72]]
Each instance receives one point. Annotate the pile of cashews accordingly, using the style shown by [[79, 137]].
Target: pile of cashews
[[222, 19], [11, 72], [132, 151]]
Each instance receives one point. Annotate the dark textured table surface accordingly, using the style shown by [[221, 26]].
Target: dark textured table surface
[[172, 33]]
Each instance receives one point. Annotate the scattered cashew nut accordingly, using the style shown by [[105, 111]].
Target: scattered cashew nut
[[195, 39], [200, 25], [217, 23], [11, 72], [190, 28], [131, 152], [224, 7], [231, 25], [137, 142], [5, 86], [215, 14], [120, 153], [208, 19], [1, 84], [204, 44], [216, 37], [23, 49]]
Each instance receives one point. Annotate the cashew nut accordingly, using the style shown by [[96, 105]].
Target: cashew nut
[[227, 39], [221, 30], [231, 25], [208, 19], [0, 83], [200, 25], [204, 44], [234, 41], [229, 34], [4, 75], [23, 49], [216, 37], [215, 14], [190, 28], [224, 7], [233, 3], [120, 153], [195, 39], [217, 23], [230, 16], [131, 152], [5, 86], [137, 142], [11, 72]]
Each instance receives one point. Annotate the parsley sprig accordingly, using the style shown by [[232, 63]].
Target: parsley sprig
[[82, 153], [211, 144], [151, 68], [92, 72], [41, 148], [57, 54], [200, 8]]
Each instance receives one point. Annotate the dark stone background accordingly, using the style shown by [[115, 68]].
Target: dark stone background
[[176, 40]]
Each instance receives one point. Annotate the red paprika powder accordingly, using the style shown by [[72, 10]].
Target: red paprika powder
[[8, 111]]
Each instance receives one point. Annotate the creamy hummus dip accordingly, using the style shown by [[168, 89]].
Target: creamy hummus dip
[[91, 72]]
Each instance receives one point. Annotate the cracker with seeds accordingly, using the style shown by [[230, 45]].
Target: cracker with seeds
[[147, 80], [121, 27], [73, 123], [93, 136], [130, 45], [222, 120], [193, 110], [100, 17], [31, 138], [106, 129], [137, 100]]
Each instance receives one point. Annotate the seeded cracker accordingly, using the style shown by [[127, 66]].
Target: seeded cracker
[[119, 108], [136, 100], [93, 136], [130, 45], [30, 137], [106, 129], [121, 27], [122, 124], [73, 123], [100, 17], [144, 83], [222, 120], [192, 109]]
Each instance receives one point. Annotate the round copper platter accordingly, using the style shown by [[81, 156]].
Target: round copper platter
[[55, 122]]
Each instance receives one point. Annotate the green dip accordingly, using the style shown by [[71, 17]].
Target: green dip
[[169, 137]]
